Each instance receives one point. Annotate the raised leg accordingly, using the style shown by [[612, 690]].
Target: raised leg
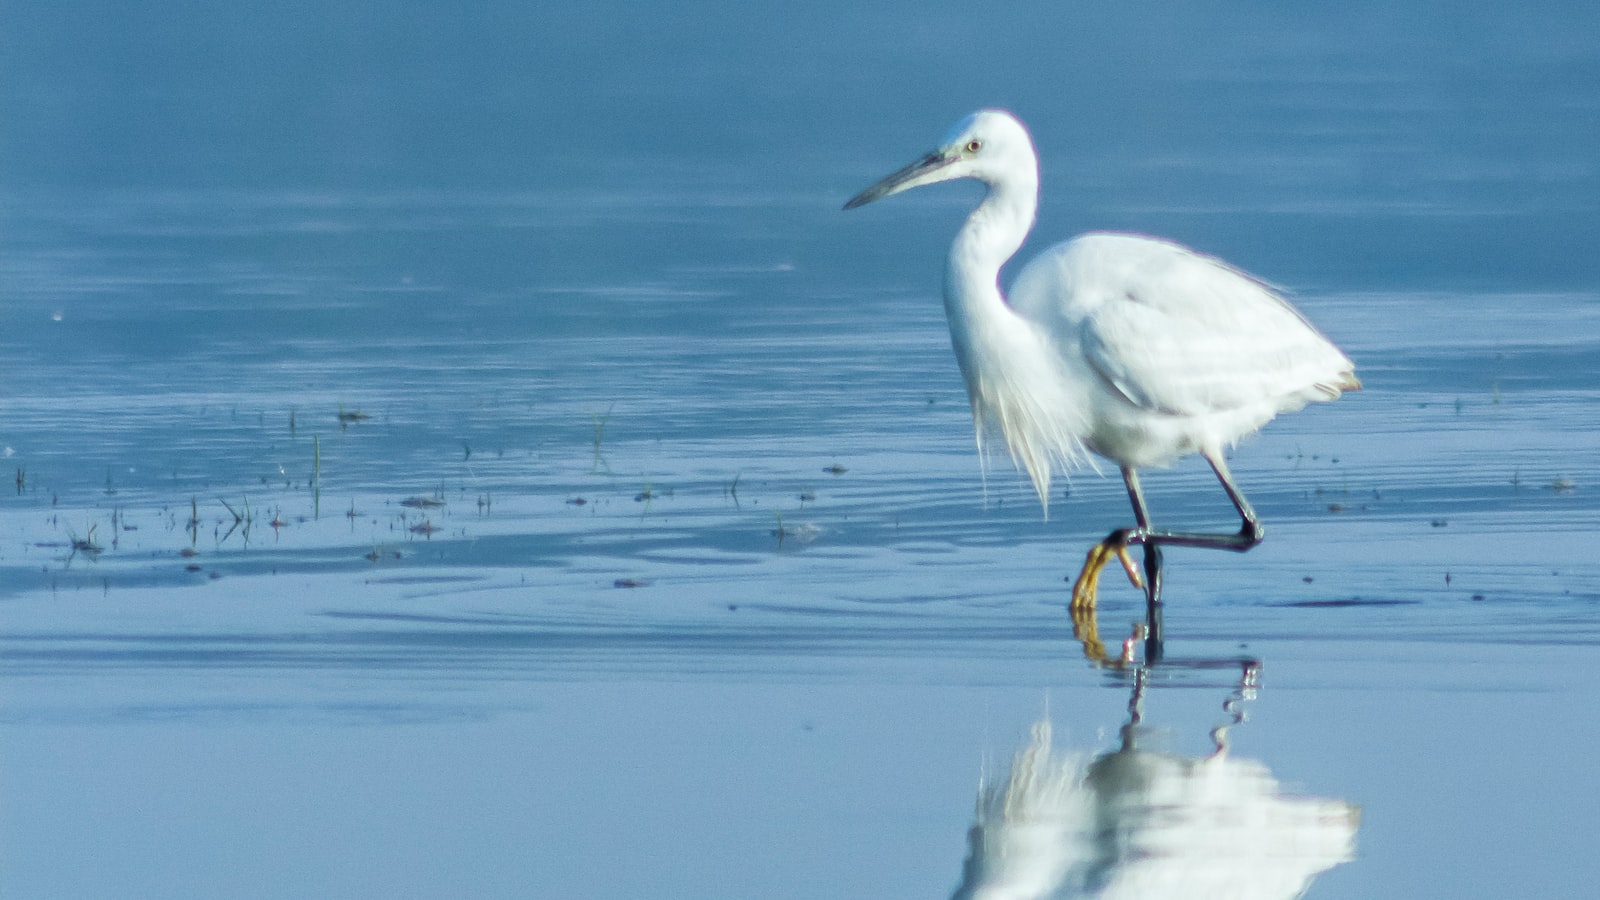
[[1116, 545], [1250, 532]]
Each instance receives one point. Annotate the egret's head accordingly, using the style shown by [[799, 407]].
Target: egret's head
[[989, 145]]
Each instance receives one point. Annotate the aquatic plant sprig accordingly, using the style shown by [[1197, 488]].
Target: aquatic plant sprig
[[316, 476], [241, 520], [599, 435], [85, 544]]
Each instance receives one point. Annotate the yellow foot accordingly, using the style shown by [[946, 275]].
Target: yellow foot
[[1088, 583]]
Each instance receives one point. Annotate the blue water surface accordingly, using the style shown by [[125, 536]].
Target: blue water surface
[[464, 450]]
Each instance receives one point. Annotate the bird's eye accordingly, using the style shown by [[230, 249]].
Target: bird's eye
[[974, 145]]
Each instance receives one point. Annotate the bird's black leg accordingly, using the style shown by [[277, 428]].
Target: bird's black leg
[[1250, 533], [1153, 630], [1116, 545], [1152, 565]]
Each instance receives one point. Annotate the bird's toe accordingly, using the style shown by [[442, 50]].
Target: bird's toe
[[1086, 587]]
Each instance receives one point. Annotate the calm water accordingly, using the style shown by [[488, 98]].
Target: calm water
[[466, 451]]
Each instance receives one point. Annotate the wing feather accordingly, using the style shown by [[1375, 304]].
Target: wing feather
[[1175, 331]]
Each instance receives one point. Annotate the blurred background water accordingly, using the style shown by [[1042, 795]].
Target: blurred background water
[[464, 449]]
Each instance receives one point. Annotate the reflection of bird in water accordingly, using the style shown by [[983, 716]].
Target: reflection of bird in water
[[1139, 824], [1132, 347]]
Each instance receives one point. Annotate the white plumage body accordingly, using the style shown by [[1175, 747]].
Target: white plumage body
[[1157, 352], [1133, 348]]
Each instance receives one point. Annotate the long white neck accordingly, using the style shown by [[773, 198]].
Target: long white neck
[[980, 320], [992, 234], [1009, 369]]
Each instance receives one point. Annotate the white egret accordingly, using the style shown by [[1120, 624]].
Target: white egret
[[1133, 348]]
